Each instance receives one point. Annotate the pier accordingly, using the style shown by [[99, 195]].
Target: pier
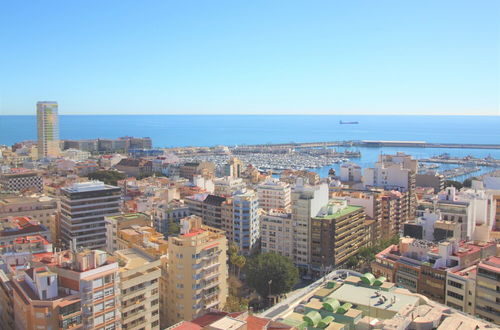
[[377, 143]]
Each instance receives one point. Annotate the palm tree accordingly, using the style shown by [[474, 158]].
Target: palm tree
[[240, 262]]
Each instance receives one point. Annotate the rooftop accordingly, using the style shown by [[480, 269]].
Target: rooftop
[[87, 186]]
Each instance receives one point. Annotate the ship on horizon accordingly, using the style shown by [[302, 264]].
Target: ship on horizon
[[348, 122]]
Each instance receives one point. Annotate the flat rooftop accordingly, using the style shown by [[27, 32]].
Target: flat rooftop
[[133, 258], [358, 295], [345, 211]]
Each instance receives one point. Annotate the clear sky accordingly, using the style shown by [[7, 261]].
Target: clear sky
[[251, 56]]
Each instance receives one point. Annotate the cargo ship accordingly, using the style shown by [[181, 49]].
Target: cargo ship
[[348, 122]]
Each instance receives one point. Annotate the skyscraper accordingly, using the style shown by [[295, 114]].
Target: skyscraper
[[83, 208], [48, 129]]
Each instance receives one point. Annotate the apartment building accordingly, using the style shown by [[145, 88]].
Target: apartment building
[[42, 209], [22, 181], [395, 172], [274, 194], [371, 202], [170, 213], [208, 207], [146, 238], [68, 290], [461, 289], [227, 186], [337, 232], [139, 289], [135, 167], [12, 228], [117, 222], [277, 232], [38, 304], [488, 290], [350, 173], [6, 309], [205, 169], [234, 168], [307, 201], [48, 129], [23, 249], [246, 221], [83, 208], [196, 272], [394, 212], [422, 266]]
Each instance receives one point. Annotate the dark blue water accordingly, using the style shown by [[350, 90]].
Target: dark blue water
[[197, 130], [205, 130]]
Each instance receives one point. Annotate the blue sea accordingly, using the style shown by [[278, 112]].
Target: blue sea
[[210, 130]]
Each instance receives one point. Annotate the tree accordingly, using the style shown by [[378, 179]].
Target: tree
[[352, 262], [108, 177], [239, 262], [468, 182], [271, 274], [173, 229], [235, 304], [452, 183]]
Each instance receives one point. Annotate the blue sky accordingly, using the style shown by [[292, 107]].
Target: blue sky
[[293, 57]]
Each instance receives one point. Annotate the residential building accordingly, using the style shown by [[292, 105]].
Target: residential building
[[274, 194], [461, 289], [395, 172], [48, 129], [83, 209], [246, 221], [23, 249], [135, 167], [41, 208], [12, 228], [350, 173], [171, 213], [227, 186], [196, 271], [144, 237], [430, 179], [208, 207], [337, 233], [488, 290], [6, 309], [205, 169], [394, 212], [38, 303], [68, 290], [422, 266], [277, 232], [117, 222], [307, 201], [139, 289], [233, 168], [22, 181]]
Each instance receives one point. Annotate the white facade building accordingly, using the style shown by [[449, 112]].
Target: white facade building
[[307, 201], [350, 172]]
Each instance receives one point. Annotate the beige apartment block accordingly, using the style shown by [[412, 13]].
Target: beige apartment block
[[274, 194], [117, 222], [41, 208], [277, 232], [139, 289], [196, 272]]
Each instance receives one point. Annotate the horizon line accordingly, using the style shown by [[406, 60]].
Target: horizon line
[[268, 114]]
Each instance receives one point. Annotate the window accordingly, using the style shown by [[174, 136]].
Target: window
[[455, 295], [98, 308], [98, 295], [109, 291], [455, 284]]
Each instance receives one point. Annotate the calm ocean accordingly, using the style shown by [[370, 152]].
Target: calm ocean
[[206, 130]]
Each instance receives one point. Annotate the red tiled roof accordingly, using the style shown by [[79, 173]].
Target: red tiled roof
[[256, 323], [209, 318], [186, 325]]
